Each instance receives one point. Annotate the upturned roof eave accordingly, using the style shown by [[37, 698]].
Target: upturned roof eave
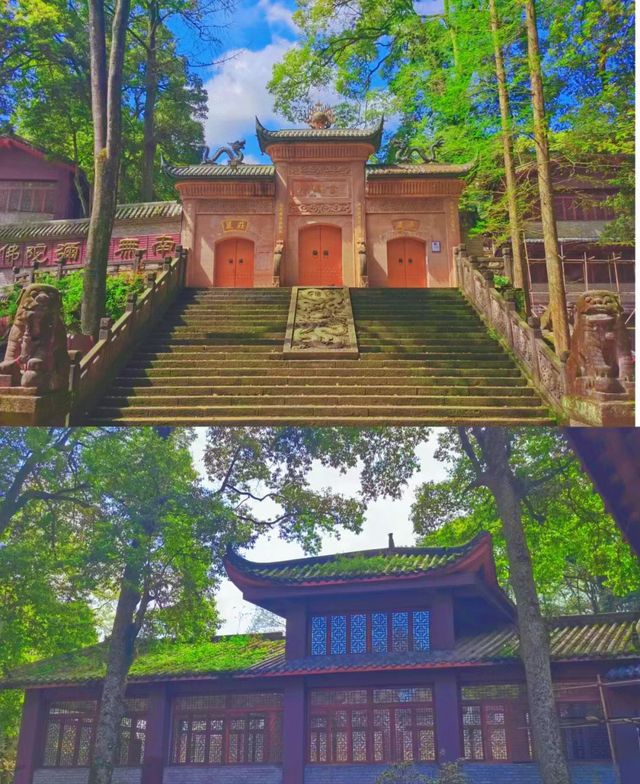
[[372, 136]]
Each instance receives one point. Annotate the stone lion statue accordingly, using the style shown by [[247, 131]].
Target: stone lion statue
[[600, 359], [36, 355]]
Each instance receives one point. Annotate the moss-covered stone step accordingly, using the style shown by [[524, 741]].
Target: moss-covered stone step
[[305, 399], [270, 387], [425, 358], [212, 412]]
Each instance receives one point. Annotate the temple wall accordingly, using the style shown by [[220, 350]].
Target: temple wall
[[207, 224], [424, 219], [80, 776], [226, 774], [476, 773]]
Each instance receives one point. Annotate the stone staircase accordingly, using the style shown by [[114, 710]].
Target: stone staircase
[[425, 358]]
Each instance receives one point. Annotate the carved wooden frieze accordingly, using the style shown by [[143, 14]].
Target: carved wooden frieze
[[320, 324], [320, 169], [320, 208], [399, 187], [207, 189], [239, 206], [375, 206], [311, 189]]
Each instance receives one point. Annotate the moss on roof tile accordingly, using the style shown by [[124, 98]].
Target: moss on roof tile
[[156, 659]]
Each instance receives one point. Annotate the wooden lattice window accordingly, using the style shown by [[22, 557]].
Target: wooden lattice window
[[27, 196], [582, 721], [371, 725], [495, 723], [70, 733], [399, 631], [229, 729]]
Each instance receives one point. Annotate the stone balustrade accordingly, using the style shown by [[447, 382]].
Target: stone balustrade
[[90, 373], [597, 354]]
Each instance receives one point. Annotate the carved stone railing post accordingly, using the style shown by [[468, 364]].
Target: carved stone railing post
[[105, 328], [599, 366]]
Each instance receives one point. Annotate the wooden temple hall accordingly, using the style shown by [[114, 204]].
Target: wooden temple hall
[[398, 654]]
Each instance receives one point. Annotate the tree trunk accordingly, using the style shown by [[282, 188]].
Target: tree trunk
[[520, 272], [453, 35], [557, 294], [106, 107], [151, 93], [120, 656], [534, 639]]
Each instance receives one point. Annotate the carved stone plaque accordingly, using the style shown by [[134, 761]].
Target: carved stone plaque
[[320, 208], [320, 324]]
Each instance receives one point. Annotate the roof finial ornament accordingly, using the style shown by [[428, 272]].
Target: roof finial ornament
[[392, 545], [234, 151], [320, 117]]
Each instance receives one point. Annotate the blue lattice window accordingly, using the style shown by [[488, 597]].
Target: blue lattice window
[[358, 627], [421, 631], [400, 631], [318, 635], [338, 634], [379, 633]]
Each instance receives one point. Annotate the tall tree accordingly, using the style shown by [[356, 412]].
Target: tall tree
[[106, 112], [555, 274], [488, 451], [520, 271]]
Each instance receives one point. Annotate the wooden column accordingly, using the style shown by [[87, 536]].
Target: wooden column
[[28, 751], [446, 703], [296, 637], [156, 749], [294, 734], [442, 630]]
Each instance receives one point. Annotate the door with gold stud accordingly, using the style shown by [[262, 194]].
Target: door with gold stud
[[234, 263]]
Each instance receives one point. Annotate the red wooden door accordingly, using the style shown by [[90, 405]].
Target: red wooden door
[[320, 256], [234, 264], [406, 263]]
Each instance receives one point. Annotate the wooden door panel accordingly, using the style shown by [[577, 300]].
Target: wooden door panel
[[331, 243], [396, 275], [320, 256], [234, 263], [415, 267], [225, 264], [406, 263], [244, 264]]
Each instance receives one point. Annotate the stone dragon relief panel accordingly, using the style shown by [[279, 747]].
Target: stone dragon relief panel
[[320, 324]]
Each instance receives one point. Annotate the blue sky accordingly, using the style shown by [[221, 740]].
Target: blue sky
[[254, 38]]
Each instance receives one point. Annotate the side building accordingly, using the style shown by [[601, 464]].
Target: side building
[[391, 655]]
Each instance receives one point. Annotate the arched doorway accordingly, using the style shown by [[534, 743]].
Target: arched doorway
[[234, 263], [406, 263], [320, 256]]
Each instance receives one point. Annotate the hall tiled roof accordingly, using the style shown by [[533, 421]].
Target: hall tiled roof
[[372, 135], [589, 638], [219, 171], [150, 210], [568, 231], [418, 169], [361, 564]]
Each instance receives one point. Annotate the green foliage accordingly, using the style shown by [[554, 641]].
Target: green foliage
[[47, 58], [581, 562], [434, 75], [70, 286]]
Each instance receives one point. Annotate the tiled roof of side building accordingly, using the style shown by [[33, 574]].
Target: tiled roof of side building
[[390, 562], [375, 170], [79, 227], [612, 637], [205, 171]]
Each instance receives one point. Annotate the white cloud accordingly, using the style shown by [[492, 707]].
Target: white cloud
[[277, 14], [238, 92]]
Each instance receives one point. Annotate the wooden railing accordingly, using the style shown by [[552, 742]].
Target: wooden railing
[[93, 371], [524, 340]]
